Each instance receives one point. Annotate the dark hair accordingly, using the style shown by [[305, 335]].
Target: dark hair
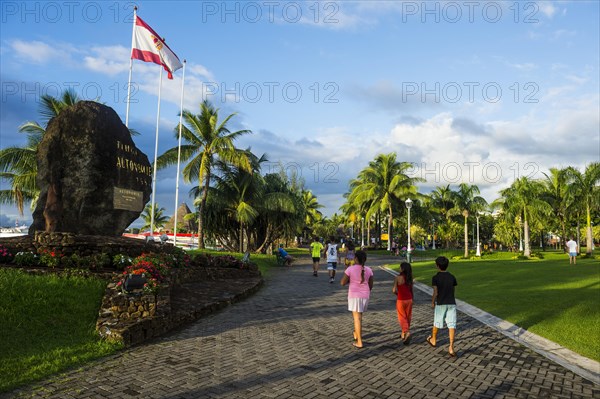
[[361, 257], [350, 245], [406, 270], [442, 262], [331, 239]]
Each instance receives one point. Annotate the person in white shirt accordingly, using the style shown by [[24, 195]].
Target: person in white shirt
[[332, 253], [573, 248]]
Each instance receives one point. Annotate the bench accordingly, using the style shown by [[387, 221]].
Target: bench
[[280, 259]]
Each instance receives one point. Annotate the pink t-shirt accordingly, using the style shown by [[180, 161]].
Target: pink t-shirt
[[356, 289]]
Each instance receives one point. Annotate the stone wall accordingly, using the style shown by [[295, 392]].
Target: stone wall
[[133, 318], [82, 245]]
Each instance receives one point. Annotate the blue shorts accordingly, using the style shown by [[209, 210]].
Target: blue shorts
[[331, 265], [573, 254], [444, 313]]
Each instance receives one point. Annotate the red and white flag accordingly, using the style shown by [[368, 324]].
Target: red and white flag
[[149, 47]]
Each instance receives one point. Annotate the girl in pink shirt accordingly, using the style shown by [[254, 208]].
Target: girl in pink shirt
[[360, 278]]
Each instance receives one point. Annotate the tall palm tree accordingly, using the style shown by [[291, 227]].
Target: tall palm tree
[[524, 199], [160, 219], [384, 183], [442, 200], [311, 207], [18, 165], [585, 189], [555, 194], [466, 202], [207, 140]]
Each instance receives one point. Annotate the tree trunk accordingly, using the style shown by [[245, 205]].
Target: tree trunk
[[241, 238], [266, 241], [466, 237], [201, 215], [526, 248], [588, 241], [389, 243]]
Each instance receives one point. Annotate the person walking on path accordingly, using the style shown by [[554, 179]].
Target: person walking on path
[[315, 252], [403, 288], [332, 254], [360, 279], [443, 303], [572, 248], [349, 255]]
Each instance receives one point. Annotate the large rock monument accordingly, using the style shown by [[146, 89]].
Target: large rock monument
[[93, 180]]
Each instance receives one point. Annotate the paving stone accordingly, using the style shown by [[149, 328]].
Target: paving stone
[[293, 339]]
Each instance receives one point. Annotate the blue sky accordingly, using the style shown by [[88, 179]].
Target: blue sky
[[477, 92]]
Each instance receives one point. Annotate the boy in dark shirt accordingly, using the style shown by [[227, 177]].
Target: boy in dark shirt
[[443, 303]]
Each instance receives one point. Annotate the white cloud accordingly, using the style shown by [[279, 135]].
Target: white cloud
[[38, 52], [547, 8], [109, 60]]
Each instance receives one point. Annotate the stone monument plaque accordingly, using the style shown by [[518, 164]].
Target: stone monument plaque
[[129, 200]]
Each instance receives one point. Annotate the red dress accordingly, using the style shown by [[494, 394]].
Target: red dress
[[404, 304]]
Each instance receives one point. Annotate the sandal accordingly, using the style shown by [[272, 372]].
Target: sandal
[[429, 341]]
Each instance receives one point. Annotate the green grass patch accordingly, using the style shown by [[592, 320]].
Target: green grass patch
[[47, 325], [264, 262], [548, 296]]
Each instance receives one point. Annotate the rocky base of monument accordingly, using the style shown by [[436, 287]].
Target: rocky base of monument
[[191, 293]]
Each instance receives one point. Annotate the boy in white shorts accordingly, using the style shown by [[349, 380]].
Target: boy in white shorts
[[332, 254]]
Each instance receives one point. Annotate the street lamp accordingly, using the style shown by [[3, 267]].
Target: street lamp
[[478, 253], [408, 203], [433, 236]]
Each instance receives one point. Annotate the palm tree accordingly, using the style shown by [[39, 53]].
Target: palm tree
[[207, 140], [18, 165], [442, 200], [159, 218], [524, 199], [585, 190], [467, 201], [384, 183], [555, 194]]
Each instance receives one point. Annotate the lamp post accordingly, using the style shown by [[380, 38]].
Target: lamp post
[[433, 235], [478, 253], [408, 204]]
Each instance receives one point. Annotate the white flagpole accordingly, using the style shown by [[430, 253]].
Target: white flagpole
[[130, 68], [155, 156], [178, 156]]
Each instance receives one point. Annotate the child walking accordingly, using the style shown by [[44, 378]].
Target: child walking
[[443, 303], [403, 288], [360, 278], [315, 251]]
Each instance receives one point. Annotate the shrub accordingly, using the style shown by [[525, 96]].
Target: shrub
[[26, 259], [99, 261], [120, 261], [144, 268], [50, 257], [5, 255]]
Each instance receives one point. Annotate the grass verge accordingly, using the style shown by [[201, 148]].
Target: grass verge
[[264, 262], [47, 325], [547, 297]]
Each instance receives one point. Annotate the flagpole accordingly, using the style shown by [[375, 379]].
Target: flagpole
[[130, 68], [155, 156], [178, 156]]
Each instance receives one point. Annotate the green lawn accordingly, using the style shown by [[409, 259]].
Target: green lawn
[[264, 262], [47, 324], [547, 297]]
